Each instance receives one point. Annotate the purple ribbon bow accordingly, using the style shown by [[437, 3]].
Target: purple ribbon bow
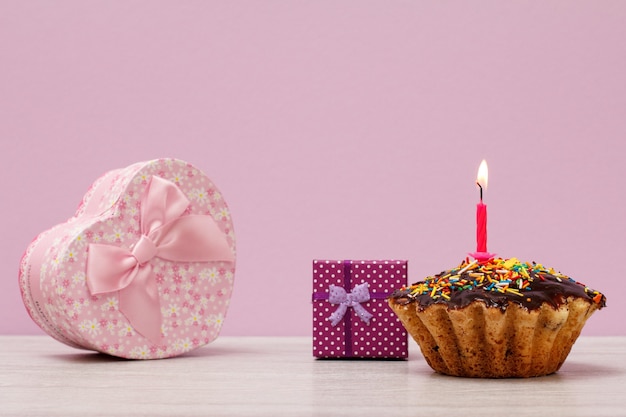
[[358, 295]]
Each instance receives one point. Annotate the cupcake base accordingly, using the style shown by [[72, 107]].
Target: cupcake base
[[489, 342]]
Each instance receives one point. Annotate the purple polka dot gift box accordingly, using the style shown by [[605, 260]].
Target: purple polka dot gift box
[[143, 270], [351, 317]]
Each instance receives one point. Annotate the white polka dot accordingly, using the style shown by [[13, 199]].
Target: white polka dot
[[382, 337]]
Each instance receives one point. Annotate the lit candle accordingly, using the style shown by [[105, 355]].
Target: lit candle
[[481, 216], [481, 209]]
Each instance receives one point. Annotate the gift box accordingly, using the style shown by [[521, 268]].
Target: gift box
[[143, 270], [351, 317]]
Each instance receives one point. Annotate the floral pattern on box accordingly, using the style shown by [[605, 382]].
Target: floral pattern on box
[[190, 298]]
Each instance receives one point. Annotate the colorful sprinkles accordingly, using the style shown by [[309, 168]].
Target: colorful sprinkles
[[496, 275]]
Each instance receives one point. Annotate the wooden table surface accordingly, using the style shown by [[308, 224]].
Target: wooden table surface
[[253, 376]]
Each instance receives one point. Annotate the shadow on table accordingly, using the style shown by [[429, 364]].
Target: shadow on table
[[585, 369], [569, 371], [86, 357], [204, 351]]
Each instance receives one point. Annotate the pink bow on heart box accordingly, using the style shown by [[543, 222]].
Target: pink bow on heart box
[[143, 270]]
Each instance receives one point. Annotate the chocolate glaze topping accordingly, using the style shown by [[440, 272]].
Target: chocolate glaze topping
[[497, 283]]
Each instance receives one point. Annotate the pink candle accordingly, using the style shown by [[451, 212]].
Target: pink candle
[[481, 227], [481, 216]]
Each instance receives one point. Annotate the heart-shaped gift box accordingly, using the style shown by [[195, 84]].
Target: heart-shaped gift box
[[143, 270]]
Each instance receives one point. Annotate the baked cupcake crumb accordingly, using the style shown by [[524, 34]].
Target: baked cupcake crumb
[[496, 319]]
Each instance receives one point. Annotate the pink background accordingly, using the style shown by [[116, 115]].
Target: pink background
[[348, 129]]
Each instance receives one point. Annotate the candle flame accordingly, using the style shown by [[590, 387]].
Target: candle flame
[[483, 174]]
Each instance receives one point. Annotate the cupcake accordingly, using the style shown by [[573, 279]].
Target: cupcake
[[496, 318]]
